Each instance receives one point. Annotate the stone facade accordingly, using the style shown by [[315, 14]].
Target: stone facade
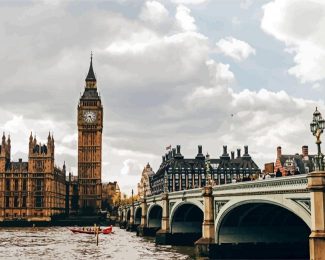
[[90, 126], [33, 190], [144, 183]]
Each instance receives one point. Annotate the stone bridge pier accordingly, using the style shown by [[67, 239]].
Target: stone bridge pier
[[316, 184], [122, 218]]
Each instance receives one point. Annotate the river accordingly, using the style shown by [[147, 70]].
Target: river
[[61, 243]]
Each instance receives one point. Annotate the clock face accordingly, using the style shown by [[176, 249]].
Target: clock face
[[89, 116]]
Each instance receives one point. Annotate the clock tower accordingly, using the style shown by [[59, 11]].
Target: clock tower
[[90, 127]]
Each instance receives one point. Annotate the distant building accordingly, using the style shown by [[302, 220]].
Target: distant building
[[33, 190], [185, 174], [290, 164], [144, 183], [72, 195], [268, 168], [111, 195]]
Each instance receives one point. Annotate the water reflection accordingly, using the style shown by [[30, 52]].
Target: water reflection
[[61, 243]]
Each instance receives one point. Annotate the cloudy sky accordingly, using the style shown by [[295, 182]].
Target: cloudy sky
[[185, 72]]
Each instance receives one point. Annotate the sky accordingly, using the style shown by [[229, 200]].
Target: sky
[[179, 72]]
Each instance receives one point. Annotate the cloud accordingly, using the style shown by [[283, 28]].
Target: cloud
[[154, 12], [158, 77], [184, 18], [299, 25], [234, 48], [131, 167]]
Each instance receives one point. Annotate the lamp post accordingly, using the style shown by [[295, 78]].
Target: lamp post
[[316, 127], [132, 202], [207, 171], [166, 183]]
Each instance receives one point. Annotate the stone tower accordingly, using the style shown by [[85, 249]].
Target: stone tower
[[90, 126]]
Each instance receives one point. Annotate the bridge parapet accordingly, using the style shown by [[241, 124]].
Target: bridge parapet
[[290, 184]]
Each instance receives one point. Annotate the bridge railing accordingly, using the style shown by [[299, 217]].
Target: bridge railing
[[294, 183], [289, 184]]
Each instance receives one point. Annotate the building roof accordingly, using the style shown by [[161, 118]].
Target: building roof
[[175, 162], [300, 161], [91, 75], [90, 94]]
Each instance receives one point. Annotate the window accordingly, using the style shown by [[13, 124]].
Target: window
[[39, 185], [16, 185], [7, 202], [16, 202], [8, 184], [39, 202], [24, 185], [24, 202]]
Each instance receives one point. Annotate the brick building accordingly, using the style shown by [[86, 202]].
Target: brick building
[[34, 190], [290, 164]]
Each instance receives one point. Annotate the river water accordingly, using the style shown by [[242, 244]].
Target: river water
[[61, 243]]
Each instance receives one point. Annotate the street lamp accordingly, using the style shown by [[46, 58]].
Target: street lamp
[[166, 182], [316, 127], [207, 171], [132, 197]]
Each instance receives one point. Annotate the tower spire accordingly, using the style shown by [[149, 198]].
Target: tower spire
[[91, 78]]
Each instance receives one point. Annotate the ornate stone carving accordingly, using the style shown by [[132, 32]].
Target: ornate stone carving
[[305, 203], [218, 204]]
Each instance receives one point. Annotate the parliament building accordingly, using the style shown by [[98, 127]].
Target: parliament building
[[34, 190], [38, 190]]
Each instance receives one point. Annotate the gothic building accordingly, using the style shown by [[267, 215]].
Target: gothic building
[[180, 173], [90, 126], [34, 190], [144, 184]]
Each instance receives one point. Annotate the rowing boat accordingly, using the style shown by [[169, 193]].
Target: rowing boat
[[84, 230]]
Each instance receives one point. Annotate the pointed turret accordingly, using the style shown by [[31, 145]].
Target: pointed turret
[[91, 78]]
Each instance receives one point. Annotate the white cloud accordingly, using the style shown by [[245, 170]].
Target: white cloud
[[299, 24], [154, 12], [184, 18], [131, 167], [234, 48]]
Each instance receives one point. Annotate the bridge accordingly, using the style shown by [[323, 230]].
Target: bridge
[[247, 219]]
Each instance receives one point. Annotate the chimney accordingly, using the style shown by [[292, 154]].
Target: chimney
[[173, 152], [199, 149], [238, 153], [178, 149], [232, 155], [246, 149], [305, 150], [278, 151], [20, 160], [225, 150]]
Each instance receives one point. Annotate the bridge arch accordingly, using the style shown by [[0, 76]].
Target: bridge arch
[[264, 222], [121, 212], [137, 215], [186, 222], [128, 215], [154, 216]]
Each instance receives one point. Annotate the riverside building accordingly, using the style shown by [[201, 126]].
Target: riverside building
[[181, 174], [34, 190]]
